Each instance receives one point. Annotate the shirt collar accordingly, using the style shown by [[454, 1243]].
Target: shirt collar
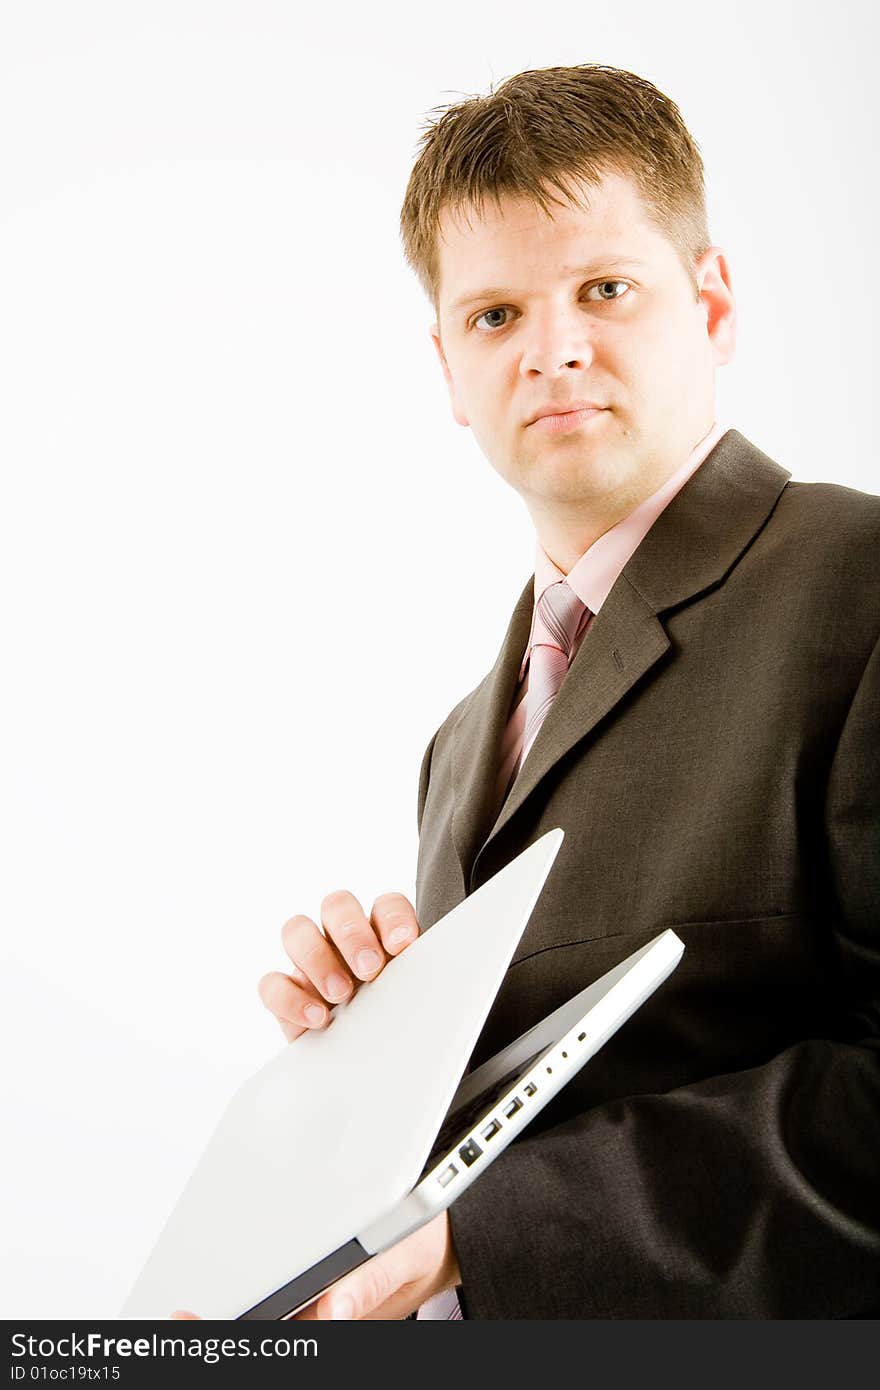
[[594, 575]]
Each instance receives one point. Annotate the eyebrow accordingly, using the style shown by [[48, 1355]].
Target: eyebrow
[[500, 292]]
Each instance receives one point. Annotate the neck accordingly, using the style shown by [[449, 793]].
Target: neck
[[568, 526], [566, 537]]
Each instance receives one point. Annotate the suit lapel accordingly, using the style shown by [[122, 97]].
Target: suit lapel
[[477, 737], [690, 548]]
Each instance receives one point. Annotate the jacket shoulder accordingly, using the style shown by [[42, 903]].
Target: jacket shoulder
[[832, 526], [822, 545], [831, 510]]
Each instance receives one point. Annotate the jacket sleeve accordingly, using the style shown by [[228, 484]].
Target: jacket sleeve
[[424, 778], [754, 1194]]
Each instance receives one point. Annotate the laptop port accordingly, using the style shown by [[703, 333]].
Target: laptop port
[[512, 1106], [491, 1129], [470, 1152], [530, 1089], [445, 1178]]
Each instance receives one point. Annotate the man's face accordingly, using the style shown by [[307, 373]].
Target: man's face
[[588, 308]]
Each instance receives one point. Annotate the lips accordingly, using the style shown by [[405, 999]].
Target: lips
[[563, 408]]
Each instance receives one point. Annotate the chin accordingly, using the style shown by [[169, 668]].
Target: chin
[[572, 469]]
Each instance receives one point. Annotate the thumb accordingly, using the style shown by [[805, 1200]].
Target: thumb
[[363, 1291]]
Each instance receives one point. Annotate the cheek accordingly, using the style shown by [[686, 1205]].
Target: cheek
[[493, 422], [485, 392], [663, 354]]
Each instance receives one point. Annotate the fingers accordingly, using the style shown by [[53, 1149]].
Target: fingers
[[394, 919], [328, 965], [297, 1007], [356, 942], [317, 965]]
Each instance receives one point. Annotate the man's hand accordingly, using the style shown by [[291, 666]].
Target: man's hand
[[395, 1283], [391, 1285], [328, 966]]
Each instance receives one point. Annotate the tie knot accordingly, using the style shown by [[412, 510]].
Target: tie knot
[[557, 617]]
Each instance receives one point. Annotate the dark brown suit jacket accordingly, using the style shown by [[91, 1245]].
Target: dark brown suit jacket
[[713, 757]]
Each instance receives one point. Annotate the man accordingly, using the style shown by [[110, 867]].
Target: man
[[690, 687]]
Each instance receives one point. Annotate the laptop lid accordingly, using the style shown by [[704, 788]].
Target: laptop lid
[[492, 1106], [334, 1131]]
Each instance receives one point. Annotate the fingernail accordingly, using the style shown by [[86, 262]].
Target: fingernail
[[343, 1308], [368, 961], [315, 1013], [399, 934], [337, 986]]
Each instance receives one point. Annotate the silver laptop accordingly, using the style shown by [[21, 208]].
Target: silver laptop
[[354, 1136]]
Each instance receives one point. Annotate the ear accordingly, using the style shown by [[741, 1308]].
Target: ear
[[716, 296], [457, 408]]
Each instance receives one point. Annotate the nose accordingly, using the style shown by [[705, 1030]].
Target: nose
[[556, 342]]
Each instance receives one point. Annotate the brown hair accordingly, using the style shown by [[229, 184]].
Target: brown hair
[[543, 128]]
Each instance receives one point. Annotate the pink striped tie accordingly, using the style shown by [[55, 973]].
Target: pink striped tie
[[557, 618]]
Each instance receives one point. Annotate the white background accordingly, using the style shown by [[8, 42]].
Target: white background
[[237, 514]]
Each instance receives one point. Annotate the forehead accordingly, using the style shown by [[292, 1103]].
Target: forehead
[[515, 234]]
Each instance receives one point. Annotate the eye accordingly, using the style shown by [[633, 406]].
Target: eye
[[607, 290], [487, 313]]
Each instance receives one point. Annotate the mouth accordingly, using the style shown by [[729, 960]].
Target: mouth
[[552, 420]]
